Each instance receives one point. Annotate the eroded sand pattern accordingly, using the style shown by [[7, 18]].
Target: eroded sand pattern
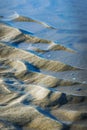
[[43, 84], [31, 100]]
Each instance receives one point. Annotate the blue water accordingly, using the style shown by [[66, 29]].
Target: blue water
[[68, 17]]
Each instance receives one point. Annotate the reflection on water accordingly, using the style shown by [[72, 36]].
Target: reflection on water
[[67, 17], [43, 64], [9, 15]]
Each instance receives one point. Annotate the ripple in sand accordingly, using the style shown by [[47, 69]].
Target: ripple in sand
[[30, 99]]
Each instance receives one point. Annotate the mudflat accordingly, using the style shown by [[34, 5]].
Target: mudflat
[[43, 83]]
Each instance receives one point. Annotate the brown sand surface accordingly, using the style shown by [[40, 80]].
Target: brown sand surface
[[31, 97]]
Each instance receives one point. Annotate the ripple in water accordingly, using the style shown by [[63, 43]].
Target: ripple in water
[[11, 15]]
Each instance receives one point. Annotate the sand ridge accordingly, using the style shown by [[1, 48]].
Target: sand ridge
[[31, 100]]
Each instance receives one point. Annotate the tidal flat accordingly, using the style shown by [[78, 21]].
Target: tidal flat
[[43, 65]]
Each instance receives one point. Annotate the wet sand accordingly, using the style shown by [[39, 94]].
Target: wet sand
[[31, 97], [43, 65]]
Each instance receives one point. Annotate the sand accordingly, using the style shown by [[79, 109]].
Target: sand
[[31, 99]]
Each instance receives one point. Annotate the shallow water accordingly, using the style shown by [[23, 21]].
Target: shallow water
[[68, 20], [43, 64]]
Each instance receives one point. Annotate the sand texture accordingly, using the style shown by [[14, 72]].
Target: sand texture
[[37, 93]]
